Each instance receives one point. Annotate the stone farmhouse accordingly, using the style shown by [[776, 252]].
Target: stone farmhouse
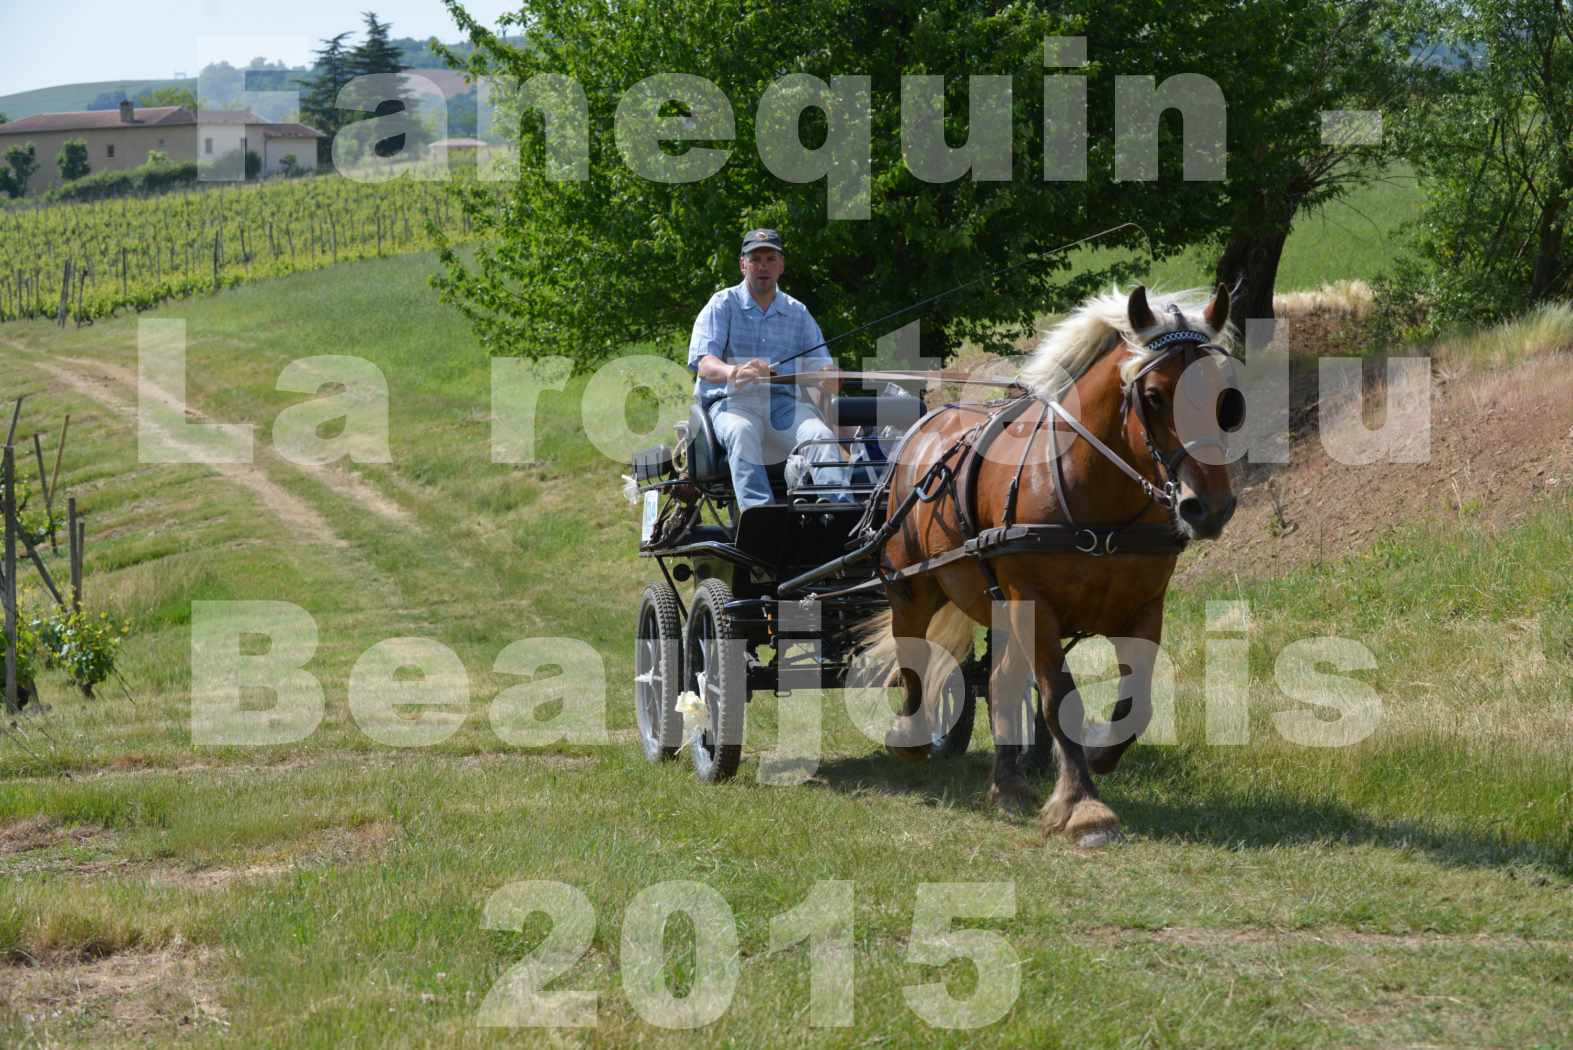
[[119, 139]]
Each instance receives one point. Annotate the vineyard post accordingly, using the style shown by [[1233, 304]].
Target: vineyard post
[[215, 262], [65, 292], [123, 290], [8, 465], [43, 479], [81, 558], [16, 414], [54, 481], [74, 536]]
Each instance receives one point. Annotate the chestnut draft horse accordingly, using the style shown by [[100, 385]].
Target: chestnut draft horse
[[1077, 498]]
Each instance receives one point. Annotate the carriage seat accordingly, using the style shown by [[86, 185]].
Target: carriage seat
[[707, 457]]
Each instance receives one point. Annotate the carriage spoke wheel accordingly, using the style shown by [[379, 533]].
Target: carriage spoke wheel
[[715, 669], [658, 645]]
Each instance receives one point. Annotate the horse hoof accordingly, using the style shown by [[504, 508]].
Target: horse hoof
[[1012, 799], [908, 754], [1092, 824], [1100, 838]]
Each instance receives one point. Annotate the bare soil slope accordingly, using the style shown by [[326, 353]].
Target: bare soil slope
[[1498, 441]]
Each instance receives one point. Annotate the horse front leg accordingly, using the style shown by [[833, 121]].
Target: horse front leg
[[1074, 808], [1137, 654]]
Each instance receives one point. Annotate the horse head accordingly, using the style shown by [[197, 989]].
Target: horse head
[[1180, 402]]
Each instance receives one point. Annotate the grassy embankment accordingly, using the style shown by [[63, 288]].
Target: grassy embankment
[[1411, 888]]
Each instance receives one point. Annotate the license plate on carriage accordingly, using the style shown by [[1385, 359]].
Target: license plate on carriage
[[652, 503]]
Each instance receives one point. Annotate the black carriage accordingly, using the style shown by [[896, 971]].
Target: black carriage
[[736, 636]]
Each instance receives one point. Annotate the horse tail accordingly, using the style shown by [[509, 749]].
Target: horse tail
[[950, 629]]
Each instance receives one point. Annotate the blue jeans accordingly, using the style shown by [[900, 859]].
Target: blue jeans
[[761, 419]]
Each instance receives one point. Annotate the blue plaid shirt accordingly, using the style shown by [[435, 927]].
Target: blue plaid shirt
[[732, 327]]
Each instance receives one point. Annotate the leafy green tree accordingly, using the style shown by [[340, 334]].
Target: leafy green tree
[[168, 96], [1293, 67], [377, 52], [583, 266], [1495, 155], [319, 107], [20, 163], [220, 86], [4, 119], [72, 159]]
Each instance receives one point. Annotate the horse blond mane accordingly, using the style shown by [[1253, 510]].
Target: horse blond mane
[[1070, 347]]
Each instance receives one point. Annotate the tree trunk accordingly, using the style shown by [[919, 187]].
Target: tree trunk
[[1249, 266], [1547, 277]]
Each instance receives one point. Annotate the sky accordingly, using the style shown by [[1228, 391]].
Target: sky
[[43, 44]]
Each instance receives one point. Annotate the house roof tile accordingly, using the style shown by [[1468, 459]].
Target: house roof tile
[[289, 131], [144, 117]]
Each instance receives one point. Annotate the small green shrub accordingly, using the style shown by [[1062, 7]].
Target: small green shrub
[[143, 180], [83, 645], [26, 654], [37, 522]]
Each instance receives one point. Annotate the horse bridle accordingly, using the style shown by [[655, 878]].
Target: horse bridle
[[1181, 340]]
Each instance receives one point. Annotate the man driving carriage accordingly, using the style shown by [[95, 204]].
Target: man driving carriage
[[740, 334]]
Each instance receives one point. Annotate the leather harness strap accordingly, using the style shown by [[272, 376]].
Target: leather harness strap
[[1008, 538], [983, 545]]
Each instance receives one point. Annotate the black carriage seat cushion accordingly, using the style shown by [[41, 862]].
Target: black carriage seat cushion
[[898, 412], [706, 457], [707, 463]]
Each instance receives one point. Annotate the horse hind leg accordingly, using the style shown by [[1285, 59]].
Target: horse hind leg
[[1009, 718], [913, 612]]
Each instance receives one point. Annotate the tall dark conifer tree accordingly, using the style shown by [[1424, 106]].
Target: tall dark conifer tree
[[377, 54], [320, 106]]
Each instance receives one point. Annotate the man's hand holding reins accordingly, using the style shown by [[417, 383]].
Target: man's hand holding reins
[[747, 373]]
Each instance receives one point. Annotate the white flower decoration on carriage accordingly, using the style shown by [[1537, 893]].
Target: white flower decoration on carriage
[[630, 488], [691, 706]]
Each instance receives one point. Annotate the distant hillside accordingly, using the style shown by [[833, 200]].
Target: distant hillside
[[72, 98], [417, 54]]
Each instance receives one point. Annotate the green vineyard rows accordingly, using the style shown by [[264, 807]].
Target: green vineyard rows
[[138, 253]]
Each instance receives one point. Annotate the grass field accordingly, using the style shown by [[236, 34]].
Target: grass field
[[1413, 889]]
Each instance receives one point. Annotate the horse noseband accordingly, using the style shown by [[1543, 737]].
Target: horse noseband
[[1165, 345]]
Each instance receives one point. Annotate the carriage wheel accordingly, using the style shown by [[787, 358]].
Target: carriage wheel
[[658, 646], [953, 718], [714, 667]]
